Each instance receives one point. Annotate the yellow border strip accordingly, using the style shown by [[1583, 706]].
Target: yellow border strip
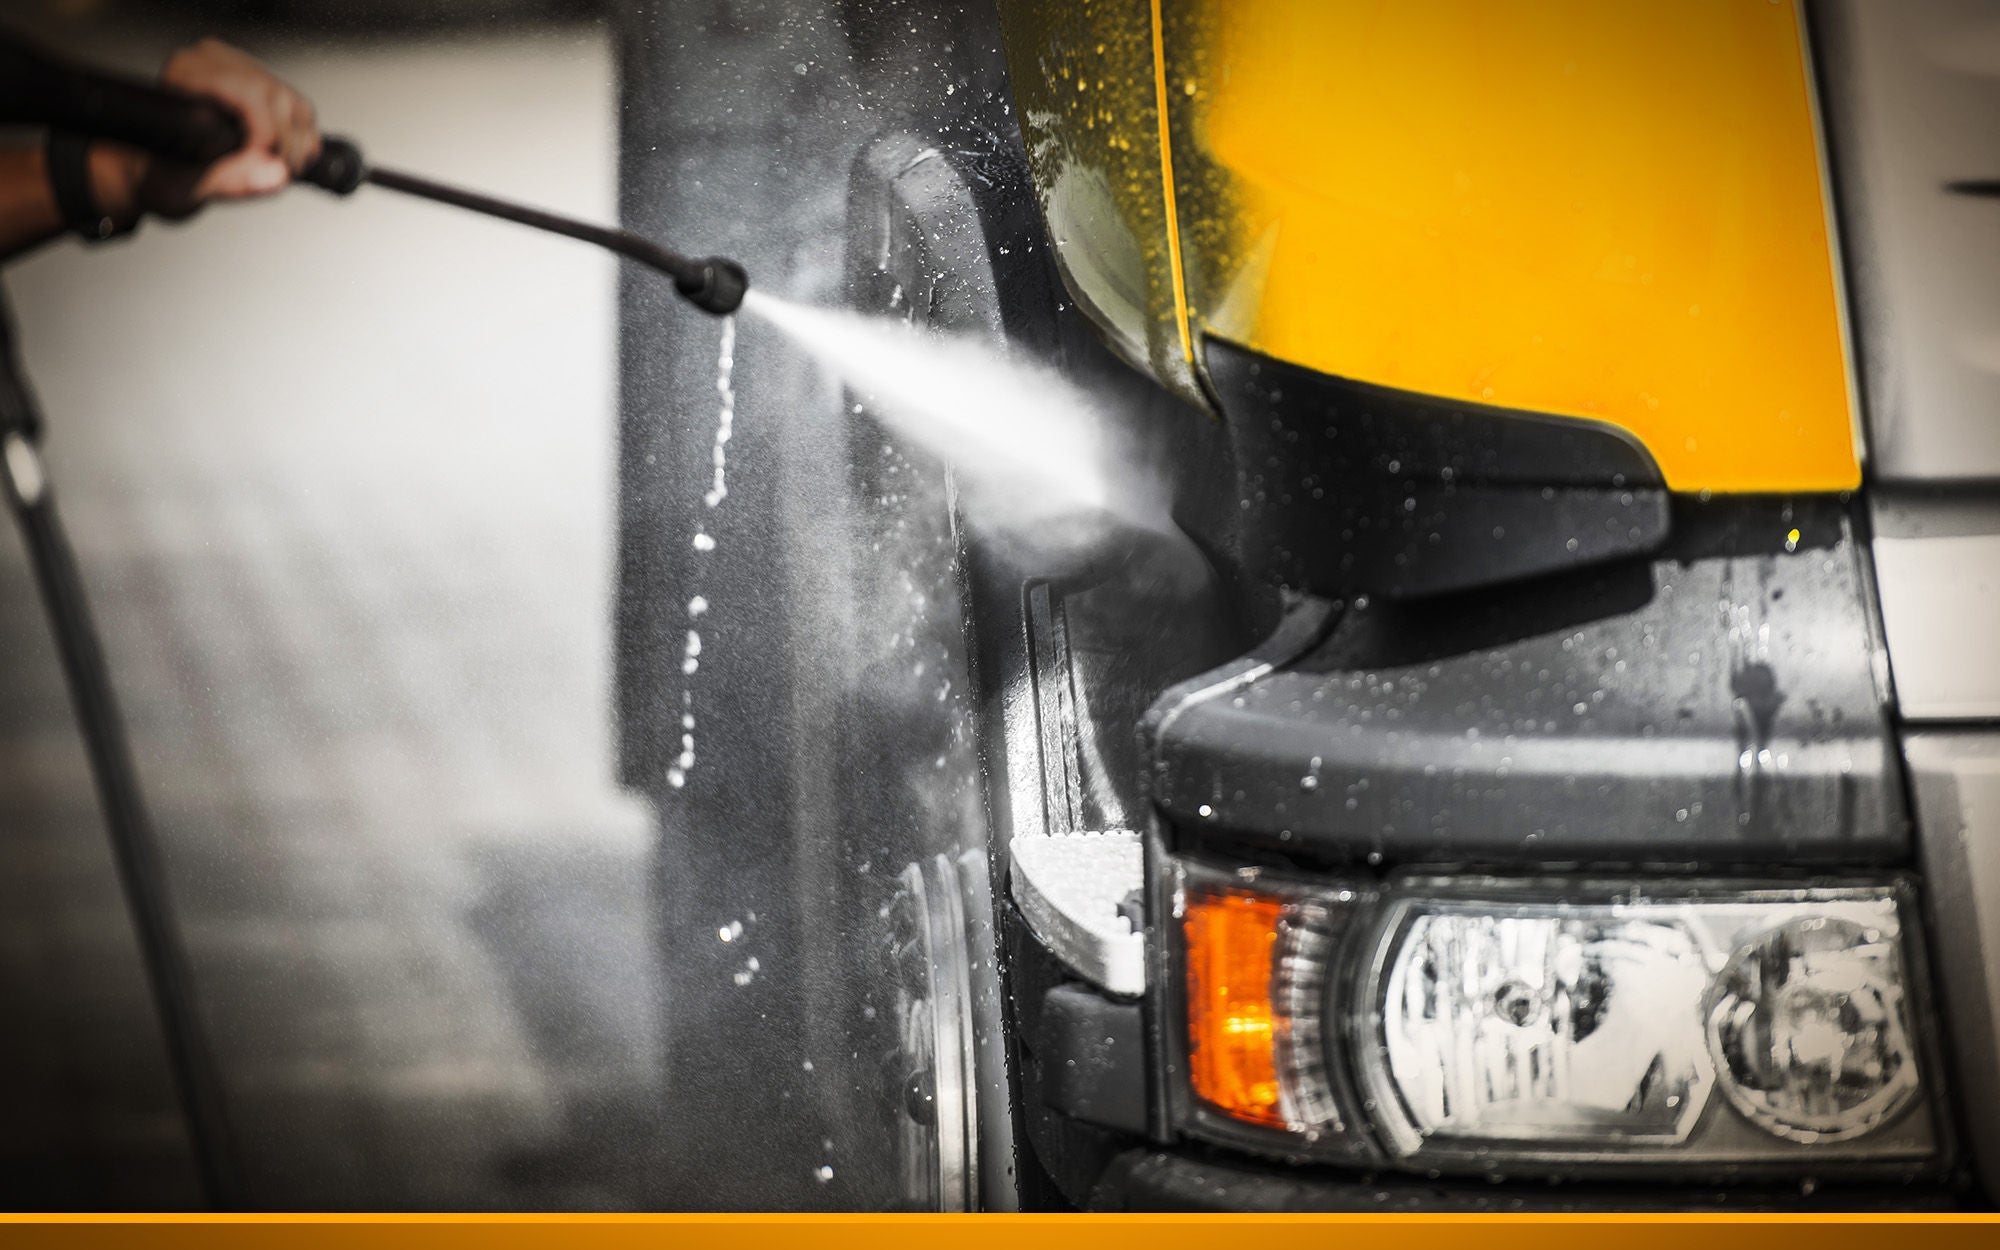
[[1583, 1221], [1167, 186]]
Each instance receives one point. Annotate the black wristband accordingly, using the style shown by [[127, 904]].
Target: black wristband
[[69, 179]]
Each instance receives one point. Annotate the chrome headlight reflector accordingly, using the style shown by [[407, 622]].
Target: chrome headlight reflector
[[1482, 1024], [1809, 1026], [1539, 1024]]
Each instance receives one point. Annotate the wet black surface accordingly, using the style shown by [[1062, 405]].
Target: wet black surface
[[1718, 704]]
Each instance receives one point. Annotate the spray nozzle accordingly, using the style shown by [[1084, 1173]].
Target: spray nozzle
[[714, 284], [338, 167]]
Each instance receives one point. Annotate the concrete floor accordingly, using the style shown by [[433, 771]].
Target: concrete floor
[[340, 476]]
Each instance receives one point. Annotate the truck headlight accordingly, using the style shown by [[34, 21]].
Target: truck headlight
[[1808, 1026], [1482, 1024], [1538, 1024]]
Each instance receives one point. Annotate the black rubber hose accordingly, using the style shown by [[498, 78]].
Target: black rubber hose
[[135, 848]]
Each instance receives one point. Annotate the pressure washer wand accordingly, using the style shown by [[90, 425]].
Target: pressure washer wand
[[713, 283], [41, 88]]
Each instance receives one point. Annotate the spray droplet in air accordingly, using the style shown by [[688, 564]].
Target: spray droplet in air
[[725, 366], [725, 416]]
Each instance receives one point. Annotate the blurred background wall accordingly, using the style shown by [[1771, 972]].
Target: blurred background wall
[[340, 476]]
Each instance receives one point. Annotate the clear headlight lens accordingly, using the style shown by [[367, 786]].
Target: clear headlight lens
[[1544, 1026], [1475, 1024]]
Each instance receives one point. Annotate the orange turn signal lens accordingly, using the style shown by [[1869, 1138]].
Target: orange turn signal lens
[[1231, 938]]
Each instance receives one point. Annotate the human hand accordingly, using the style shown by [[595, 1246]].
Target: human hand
[[281, 138]]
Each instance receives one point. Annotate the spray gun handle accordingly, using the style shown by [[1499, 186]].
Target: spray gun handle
[[42, 88], [206, 130], [201, 131]]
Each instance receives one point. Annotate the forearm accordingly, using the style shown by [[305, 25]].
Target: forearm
[[28, 216], [28, 213]]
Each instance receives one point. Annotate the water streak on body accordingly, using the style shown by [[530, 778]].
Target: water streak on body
[[704, 543]]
